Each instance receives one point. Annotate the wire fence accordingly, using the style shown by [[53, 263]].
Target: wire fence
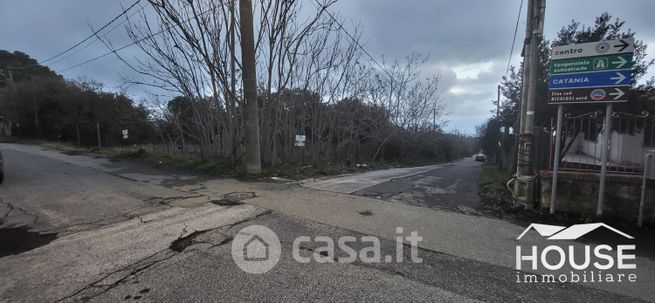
[[631, 137]]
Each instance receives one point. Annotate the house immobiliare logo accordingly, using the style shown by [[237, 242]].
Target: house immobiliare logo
[[559, 260]]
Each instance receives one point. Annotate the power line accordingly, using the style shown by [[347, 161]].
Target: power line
[[511, 51], [355, 40], [131, 44], [96, 39], [94, 33]]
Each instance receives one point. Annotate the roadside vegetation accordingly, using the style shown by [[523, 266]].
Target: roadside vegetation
[[313, 80], [493, 192], [142, 153]]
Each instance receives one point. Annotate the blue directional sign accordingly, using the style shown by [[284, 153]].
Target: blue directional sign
[[597, 79]]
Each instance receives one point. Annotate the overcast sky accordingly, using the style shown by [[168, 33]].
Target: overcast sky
[[468, 42]]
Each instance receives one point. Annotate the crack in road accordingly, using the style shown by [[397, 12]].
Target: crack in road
[[184, 240], [112, 220], [12, 208], [165, 201], [98, 288]]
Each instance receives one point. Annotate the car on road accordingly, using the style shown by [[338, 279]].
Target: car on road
[[480, 158]]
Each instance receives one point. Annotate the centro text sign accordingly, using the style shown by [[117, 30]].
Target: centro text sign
[[608, 47]]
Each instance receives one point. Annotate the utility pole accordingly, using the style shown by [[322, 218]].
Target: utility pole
[[537, 34], [499, 136], [233, 76], [434, 119], [525, 176], [98, 134], [525, 72], [249, 74], [498, 107]]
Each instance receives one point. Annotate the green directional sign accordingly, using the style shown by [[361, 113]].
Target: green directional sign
[[591, 64]]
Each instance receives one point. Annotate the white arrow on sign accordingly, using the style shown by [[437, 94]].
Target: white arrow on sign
[[618, 93], [621, 62], [619, 78]]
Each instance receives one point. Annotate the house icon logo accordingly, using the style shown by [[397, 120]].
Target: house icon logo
[[256, 249], [573, 232], [558, 259]]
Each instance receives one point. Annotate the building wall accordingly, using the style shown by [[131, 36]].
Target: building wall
[[577, 193], [624, 148]]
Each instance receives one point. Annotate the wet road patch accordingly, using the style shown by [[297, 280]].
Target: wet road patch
[[235, 198], [16, 240]]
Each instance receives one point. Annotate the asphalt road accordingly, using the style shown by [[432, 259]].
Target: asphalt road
[[451, 187], [78, 228], [55, 196]]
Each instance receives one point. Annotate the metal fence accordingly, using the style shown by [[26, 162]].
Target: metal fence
[[632, 136]]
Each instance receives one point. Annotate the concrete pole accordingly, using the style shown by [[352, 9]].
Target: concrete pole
[[525, 84], [558, 146], [537, 33], [607, 131], [249, 74], [525, 73], [534, 31]]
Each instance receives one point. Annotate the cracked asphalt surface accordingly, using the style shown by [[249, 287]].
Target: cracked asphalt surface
[[130, 232], [451, 187]]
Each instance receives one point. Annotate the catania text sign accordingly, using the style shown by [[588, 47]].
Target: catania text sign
[[597, 79]]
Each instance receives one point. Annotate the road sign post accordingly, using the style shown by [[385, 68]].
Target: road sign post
[[596, 72], [300, 142], [558, 144], [607, 131]]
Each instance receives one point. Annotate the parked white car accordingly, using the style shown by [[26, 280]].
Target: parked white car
[[480, 158]]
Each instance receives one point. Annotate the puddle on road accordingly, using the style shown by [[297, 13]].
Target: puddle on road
[[182, 243], [235, 198], [16, 240]]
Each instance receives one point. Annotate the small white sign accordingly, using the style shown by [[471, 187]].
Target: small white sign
[[125, 133], [300, 138]]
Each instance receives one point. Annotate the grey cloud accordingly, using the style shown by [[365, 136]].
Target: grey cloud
[[452, 33]]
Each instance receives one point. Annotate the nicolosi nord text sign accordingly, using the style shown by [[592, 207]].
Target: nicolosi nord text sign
[[591, 72]]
